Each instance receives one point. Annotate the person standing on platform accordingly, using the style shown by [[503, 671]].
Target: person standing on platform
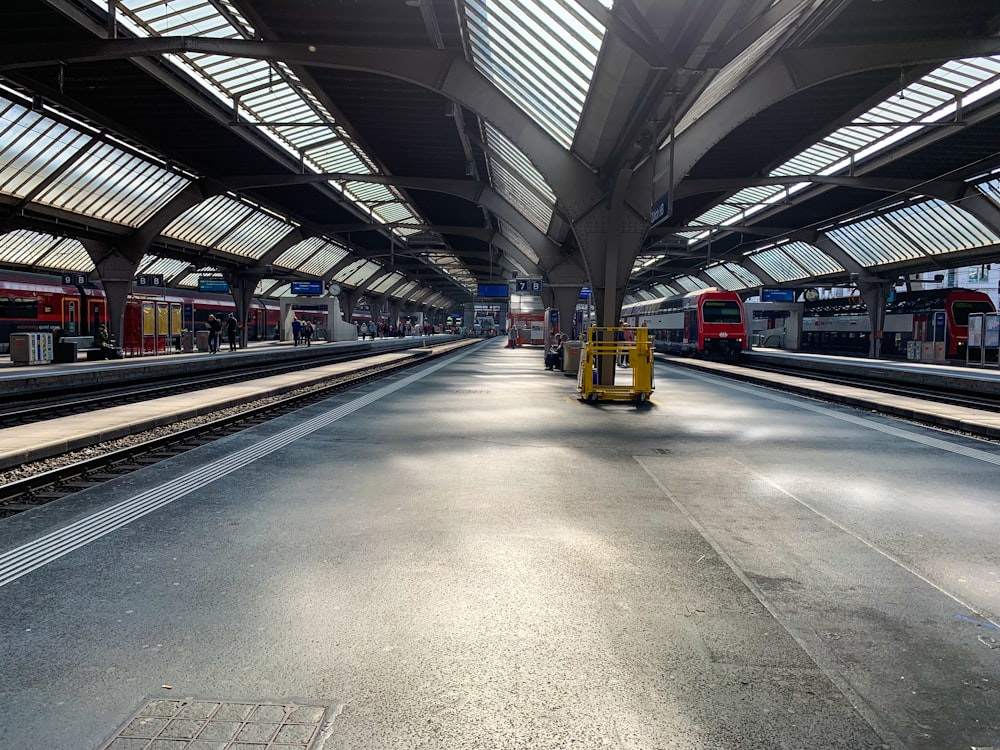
[[372, 330], [214, 332], [231, 332], [296, 331], [512, 336], [307, 332]]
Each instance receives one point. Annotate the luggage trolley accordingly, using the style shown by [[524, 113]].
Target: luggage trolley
[[609, 342]]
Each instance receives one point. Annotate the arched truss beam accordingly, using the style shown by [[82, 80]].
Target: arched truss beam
[[782, 76], [577, 188]]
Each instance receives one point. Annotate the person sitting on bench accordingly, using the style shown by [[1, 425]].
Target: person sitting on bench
[[103, 343]]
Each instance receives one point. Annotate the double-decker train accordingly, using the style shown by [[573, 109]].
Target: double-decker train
[[842, 326], [706, 323], [154, 320]]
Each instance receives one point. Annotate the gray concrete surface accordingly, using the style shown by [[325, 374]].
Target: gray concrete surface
[[478, 560]]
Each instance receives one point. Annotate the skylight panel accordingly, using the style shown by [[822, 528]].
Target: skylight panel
[[168, 267], [254, 236], [874, 242], [386, 283], [266, 95], [747, 278], [690, 283], [991, 190], [517, 239], [208, 222], [114, 186], [811, 258], [361, 273], [26, 248], [314, 258], [33, 147], [540, 54], [724, 278], [778, 265], [938, 227]]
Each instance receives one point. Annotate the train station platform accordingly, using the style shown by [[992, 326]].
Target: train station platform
[[943, 378], [467, 556], [43, 378]]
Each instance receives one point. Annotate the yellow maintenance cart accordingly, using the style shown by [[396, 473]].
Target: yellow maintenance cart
[[605, 355]]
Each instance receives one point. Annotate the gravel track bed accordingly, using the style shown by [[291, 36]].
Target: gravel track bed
[[66, 459]]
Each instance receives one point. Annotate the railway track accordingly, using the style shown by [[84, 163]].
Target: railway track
[[43, 485], [27, 409]]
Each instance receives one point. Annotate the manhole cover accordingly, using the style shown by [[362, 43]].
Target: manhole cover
[[220, 725]]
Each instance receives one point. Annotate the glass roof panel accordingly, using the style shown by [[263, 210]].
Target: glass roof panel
[[724, 278], [518, 241], [267, 94], [811, 258], [314, 256], [991, 189], [689, 283], [539, 53], [874, 242], [27, 248], [255, 235], [385, 283], [33, 147], [778, 265], [406, 289], [930, 99], [112, 185], [518, 181], [169, 267], [747, 278], [938, 227], [208, 222], [361, 273]]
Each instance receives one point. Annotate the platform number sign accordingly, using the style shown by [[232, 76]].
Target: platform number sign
[[150, 279], [527, 285], [74, 279]]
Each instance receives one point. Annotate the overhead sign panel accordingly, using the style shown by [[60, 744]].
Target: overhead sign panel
[[212, 285], [149, 279], [527, 285], [774, 294], [307, 287], [660, 210], [494, 290]]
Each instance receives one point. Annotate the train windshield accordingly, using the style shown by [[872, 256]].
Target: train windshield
[[721, 311], [961, 309]]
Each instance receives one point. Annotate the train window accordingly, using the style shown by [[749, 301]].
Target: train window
[[19, 307], [721, 311], [961, 309]]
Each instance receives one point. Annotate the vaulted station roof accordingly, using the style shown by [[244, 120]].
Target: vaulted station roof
[[416, 148]]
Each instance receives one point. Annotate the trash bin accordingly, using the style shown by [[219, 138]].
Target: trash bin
[[202, 340], [64, 351], [571, 357], [187, 341]]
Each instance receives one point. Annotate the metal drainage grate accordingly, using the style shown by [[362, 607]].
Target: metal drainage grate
[[220, 725]]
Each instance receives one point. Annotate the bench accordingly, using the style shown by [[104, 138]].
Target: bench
[[84, 344]]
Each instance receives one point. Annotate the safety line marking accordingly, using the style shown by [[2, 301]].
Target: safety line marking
[[974, 453], [32, 555]]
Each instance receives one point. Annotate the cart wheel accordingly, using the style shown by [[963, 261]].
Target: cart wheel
[[592, 397], [640, 398]]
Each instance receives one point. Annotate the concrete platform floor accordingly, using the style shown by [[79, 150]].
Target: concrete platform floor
[[468, 557]]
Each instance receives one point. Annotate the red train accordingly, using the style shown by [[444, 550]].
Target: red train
[[707, 323], [842, 326], [153, 320]]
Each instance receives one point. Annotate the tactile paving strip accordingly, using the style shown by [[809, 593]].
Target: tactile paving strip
[[220, 725]]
